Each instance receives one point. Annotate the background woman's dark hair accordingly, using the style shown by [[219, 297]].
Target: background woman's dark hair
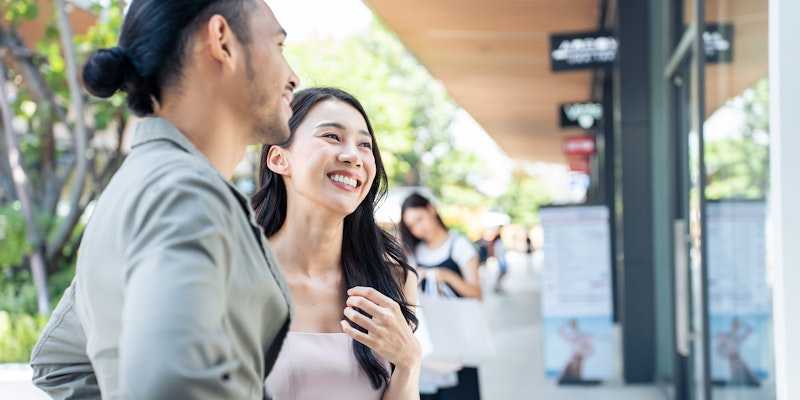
[[150, 53], [370, 256], [415, 200]]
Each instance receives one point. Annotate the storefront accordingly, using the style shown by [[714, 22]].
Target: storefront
[[694, 163]]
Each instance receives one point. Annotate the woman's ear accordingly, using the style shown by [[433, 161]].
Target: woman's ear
[[278, 162]]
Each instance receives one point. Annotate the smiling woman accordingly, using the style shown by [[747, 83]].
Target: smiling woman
[[353, 291]]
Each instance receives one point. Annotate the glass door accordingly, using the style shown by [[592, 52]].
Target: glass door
[[718, 72], [686, 73]]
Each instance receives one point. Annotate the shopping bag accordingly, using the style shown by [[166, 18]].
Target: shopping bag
[[457, 328], [423, 336]]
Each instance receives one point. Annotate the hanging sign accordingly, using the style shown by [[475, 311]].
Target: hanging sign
[[598, 49], [718, 40], [582, 50], [585, 115]]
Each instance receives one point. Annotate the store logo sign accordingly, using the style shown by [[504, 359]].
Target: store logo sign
[[718, 40], [585, 115], [582, 50], [592, 50]]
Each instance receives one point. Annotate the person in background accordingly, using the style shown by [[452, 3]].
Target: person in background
[[528, 251], [352, 332], [498, 250], [451, 259]]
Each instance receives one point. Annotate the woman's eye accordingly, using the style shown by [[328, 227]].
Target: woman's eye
[[331, 136], [366, 145]]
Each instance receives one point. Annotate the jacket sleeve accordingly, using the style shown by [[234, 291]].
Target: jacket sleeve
[[60, 365]]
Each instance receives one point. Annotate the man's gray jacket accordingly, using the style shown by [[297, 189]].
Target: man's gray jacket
[[176, 296]]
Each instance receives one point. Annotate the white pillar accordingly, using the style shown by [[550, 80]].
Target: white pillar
[[784, 86]]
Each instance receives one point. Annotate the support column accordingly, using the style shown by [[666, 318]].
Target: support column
[[633, 192], [784, 86]]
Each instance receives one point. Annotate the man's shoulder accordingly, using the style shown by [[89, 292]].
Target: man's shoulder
[[162, 166], [162, 178], [163, 160]]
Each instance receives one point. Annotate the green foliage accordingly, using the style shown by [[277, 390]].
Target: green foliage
[[13, 244], [17, 293], [16, 11], [46, 157], [522, 199], [18, 335], [738, 166]]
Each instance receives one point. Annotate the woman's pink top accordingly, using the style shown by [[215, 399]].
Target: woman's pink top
[[314, 366]]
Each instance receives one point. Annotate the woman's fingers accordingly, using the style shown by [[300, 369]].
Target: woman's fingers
[[357, 335], [365, 305], [374, 296], [360, 319]]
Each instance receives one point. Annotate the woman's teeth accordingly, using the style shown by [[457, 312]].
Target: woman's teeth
[[345, 180]]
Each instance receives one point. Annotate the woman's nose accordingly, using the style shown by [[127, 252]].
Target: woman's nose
[[350, 156]]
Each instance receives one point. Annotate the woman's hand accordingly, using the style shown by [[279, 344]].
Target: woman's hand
[[444, 275], [388, 333]]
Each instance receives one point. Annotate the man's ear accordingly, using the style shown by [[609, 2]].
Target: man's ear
[[222, 44]]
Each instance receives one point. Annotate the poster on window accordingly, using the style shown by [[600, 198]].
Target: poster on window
[[740, 319], [579, 345]]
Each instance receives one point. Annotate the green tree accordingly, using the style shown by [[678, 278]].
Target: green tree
[[522, 199], [53, 158], [738, 166]]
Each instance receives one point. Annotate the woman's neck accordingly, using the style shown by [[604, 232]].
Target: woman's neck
[[310, 240], [439, 236]]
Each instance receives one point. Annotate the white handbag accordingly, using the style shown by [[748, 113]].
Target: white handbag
[[456, 332]]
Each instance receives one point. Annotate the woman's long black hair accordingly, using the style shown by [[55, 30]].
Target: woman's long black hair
[[415, 200], [370, 256]]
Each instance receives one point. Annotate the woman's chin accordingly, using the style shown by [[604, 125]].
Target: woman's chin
[[342, 209]]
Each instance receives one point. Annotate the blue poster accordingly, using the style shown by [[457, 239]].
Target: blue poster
[[578, 350], [740, 349], [740, 311], [579, 345]]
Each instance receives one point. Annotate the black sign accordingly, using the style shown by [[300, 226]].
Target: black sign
[[582, 50], [585, 115], [718, 39], [591, 50]]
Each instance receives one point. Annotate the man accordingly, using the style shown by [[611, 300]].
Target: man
[[176, 294]]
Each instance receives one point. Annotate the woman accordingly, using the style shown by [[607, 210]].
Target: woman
[[351, 336], [452, 260]]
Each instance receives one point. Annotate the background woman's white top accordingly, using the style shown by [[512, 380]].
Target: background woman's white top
[[463, 252]]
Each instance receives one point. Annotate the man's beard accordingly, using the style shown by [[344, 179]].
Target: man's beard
[[271, 130], [268, 127]]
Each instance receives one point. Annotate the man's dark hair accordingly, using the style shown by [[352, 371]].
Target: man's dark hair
[[152, 46]]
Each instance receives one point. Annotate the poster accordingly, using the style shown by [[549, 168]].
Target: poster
[[579, 345], [740, 318]]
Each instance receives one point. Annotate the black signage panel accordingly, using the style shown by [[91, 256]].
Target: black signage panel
[[582, 50], [592, 50], [584, 115], [718, 39]]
